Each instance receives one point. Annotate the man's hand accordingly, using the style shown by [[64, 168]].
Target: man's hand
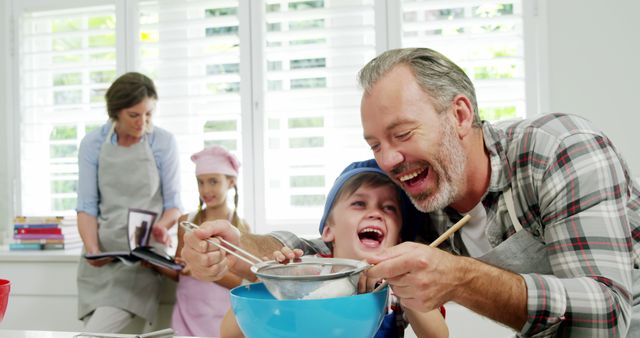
[[206, 261], [422, 277]]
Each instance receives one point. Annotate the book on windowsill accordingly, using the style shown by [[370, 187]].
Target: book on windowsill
[[140, 224], [38, 220], [34, 231], [35, 246]]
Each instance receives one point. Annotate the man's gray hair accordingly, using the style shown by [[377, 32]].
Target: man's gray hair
[[435, 73]]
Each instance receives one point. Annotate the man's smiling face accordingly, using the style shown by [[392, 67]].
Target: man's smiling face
[[414, 143]]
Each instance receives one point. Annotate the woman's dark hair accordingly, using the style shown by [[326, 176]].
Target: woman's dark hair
[[127, 91]]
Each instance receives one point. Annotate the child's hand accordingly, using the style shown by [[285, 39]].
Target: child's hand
[[286, 255]]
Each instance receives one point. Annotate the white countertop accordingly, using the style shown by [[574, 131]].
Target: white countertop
[[7, 255], [55, 334]]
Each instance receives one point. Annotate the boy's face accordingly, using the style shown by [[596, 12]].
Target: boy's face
[[364, 223]]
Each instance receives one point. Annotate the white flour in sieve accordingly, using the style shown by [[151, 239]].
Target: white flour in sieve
[[336, 288]]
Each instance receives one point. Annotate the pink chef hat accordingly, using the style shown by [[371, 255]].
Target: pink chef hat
[[215, 160]]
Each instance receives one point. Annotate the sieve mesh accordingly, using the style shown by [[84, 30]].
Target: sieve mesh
[[311, 277]]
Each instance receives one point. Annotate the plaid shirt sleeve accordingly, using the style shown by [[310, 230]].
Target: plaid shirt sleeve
[[582, 191], [309, 246]]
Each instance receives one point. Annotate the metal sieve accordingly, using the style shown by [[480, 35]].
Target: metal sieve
[[311, 277]]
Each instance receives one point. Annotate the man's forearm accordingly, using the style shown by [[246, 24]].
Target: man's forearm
[[492, 292], [260, 246]]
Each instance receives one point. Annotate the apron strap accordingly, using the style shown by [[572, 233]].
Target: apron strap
[[508, 199]]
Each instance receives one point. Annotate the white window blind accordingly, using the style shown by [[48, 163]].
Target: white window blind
[[313, 51], [191, 49], [67, 62], [483, 37]]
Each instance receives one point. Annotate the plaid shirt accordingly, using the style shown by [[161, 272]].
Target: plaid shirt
[[572, 191]]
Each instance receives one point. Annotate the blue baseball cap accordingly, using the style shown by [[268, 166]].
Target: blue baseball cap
[[407, 210]]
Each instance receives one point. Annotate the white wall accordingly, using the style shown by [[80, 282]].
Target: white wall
[[594, 67]]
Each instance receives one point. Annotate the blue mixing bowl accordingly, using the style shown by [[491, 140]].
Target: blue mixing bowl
[[262, 316]]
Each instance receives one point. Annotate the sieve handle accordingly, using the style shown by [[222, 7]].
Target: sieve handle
[[188, 226], [360, 269]]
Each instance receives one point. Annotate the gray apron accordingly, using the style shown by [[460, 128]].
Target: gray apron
[[522, 253], [127, 178]]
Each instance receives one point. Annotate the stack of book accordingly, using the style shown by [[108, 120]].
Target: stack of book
[[37, 233]]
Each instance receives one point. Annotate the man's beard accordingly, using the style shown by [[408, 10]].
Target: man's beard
[[449, 166]]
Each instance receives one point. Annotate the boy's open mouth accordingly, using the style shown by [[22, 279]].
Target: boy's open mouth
[[371, 237]]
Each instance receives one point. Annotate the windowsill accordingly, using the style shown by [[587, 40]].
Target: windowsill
[[71, 255]]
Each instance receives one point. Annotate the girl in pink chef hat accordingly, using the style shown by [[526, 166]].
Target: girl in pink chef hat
[[200, 305]]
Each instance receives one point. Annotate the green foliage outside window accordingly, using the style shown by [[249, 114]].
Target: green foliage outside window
[[103, 56], [66, 44], [102, 40], [274, 27], [306, 122], [63, 150], [231, 145], [306, 24], [97, 95], [318, 82], [307, 42], [307, 200], [63, 133], [102, 76], [226, 30], [64, 186], [227, 87], [102, 22], [302, 5], [63, 204], [218, 126], [492, 10], [494, 72], [67, 79], [220, 11], [306, 181], [67, 58], [226, 68], [308, 63], [66, 25], [497, 113], [67, 97]]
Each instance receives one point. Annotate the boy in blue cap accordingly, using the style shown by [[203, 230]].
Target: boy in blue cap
[[363, 215]]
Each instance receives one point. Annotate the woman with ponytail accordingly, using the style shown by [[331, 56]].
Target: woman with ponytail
[[200, 305]]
